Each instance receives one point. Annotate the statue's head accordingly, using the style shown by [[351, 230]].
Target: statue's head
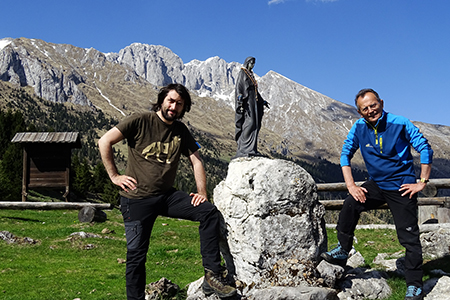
[[249, 63]]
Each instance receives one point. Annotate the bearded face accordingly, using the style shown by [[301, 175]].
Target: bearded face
[[172, 107]]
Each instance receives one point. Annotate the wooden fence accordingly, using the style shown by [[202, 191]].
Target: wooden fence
[[430, 206], [52, 205]]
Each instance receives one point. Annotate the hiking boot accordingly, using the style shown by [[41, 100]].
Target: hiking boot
[[336, 256], [217, 283], [414, 293], [227, 277]]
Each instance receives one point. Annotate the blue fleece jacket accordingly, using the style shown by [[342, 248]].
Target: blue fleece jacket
[[386, 149]]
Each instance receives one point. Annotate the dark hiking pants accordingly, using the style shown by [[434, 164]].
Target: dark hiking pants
[[139, 216], [404, 211]]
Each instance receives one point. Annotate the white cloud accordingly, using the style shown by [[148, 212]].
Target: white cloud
[[321, 1], [276, 1]]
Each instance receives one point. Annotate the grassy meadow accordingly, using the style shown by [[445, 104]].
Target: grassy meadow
[[62, 267]]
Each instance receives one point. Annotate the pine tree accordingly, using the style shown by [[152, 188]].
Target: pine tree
[[11, 173], [10, 156], [111, 193], [99, 179], [81, 176]]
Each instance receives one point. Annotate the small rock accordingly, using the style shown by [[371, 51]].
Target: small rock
[[162, 289], [121, 261], [330, 273], [364, 284], [89, 247], [441, 290], [107, 231], [356, 260], [84, 235]]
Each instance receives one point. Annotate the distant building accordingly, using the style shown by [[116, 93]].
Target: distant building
[[47, 159]]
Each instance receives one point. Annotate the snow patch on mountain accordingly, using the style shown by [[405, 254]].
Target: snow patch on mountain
[[109, 102], [5, 42]]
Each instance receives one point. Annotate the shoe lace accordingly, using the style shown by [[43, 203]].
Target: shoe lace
[[217, 279], [338, 251], [413, 291]]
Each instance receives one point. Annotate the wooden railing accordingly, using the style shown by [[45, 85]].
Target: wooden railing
[[52, 205], [430, 192]]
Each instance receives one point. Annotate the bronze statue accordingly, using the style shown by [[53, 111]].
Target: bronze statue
[[249, 111]]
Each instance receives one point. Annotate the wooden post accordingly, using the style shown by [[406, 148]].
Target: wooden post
[[67, 176], [25, 175]]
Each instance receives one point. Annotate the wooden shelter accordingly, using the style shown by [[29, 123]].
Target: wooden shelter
[[47, 159]]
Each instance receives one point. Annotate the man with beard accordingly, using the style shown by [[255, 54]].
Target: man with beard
[[385, 142], [156, 141]]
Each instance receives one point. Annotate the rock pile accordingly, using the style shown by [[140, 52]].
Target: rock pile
[[12, 239], [273, 228], [273, 233]]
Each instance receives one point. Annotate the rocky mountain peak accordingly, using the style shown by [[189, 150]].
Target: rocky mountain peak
[[303, 122], [5, 42], [156, 64]]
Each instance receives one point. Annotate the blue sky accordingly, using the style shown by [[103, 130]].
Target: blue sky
[[401, 48]]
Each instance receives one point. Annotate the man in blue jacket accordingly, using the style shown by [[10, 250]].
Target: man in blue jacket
[[385, 141]]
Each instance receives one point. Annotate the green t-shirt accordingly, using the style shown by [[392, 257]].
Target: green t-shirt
[[154, 150]]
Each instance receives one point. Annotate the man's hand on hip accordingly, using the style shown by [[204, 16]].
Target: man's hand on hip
[[412, 188], [127, 183]]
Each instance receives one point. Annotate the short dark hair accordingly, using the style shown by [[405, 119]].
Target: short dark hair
[[181, 90], [362, 92]]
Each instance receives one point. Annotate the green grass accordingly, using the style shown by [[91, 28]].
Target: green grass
[[59, 267], [371, 242]]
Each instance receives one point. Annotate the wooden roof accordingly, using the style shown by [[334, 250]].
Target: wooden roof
[[48, 137]]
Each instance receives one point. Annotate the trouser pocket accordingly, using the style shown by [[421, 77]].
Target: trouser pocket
[[133, 233], [125, 209]]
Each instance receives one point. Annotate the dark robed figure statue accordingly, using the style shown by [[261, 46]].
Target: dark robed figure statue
[[249, 111]]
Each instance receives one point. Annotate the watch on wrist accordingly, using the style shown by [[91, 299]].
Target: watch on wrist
[[424, 180]]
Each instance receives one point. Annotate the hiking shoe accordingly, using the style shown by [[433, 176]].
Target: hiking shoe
[[414, 293], [336, 256], [217, 283], [227, 277]]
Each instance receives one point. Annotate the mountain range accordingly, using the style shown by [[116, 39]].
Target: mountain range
[[301, 123]]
